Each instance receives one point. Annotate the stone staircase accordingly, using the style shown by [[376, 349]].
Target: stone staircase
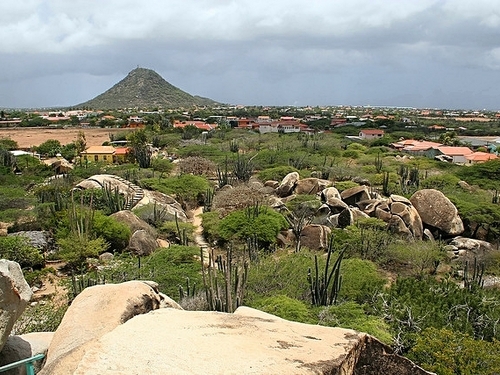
[[138, 193]]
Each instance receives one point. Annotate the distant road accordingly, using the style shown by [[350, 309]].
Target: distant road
[[30, 137]]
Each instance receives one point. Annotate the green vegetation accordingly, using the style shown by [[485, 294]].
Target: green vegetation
[[408, 294]]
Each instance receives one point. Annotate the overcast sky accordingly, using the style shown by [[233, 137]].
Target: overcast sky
[[416, 53]]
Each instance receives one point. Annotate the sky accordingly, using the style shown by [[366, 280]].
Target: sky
[[406, 53]]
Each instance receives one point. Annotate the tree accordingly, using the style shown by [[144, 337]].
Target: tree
[[141, 149], [50, 148]]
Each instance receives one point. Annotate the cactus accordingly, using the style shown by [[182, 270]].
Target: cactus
[[234, 146], [325, 288], [227, 294], [378, 163], [385, 185], [243, 168], [209, 197], [474, 281]]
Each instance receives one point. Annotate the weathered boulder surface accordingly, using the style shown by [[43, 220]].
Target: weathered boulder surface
[[287, 184], [471, 245], [246, 342], [437, 211], [24, 346], [311, 185], [94, 312], [355, 194], [315, 236], [15, 293], [141, 243], [133, 222]]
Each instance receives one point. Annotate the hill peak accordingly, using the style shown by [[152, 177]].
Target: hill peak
[[145, 88]]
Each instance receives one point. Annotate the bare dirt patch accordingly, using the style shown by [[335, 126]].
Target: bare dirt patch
[[30, 137]]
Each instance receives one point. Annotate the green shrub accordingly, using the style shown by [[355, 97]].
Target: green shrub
[[276, 173], [41, 317], [351, 154], [187, 188], [344, 185], [448, 352], [280, 273], [416, 258], [260, 222], [19, 249], [210, 223], [353, 316], [360, 280], [116, 234], [286, 308]]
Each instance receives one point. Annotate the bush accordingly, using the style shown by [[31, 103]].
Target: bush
[[187, 188], [280, 273], [360, 280], [276, 173], [260, 222], [447, 353], [111, 230], [19, 249], [286, 308], [353, 316]]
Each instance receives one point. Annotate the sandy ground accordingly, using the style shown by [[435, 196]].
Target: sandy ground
[[29, 137]]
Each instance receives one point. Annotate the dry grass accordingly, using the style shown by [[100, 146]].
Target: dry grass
[[30, 137]]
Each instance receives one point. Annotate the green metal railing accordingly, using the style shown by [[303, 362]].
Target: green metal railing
[[28, 363]]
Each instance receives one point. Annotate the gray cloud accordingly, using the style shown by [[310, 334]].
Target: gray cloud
[[433, 53]]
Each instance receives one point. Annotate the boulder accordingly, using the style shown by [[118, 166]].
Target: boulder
[[349, 216], [37, 239], [164, 204], [355, 194], [477, 247], [410, 217], [369, 206], [272, 184], [247, 342], [94, 312], [287, 184], [142, 243], [24, 346], [329, 193], [133, 222], [311, 185], [437, 211], [15, 293], [399, 198], [336, 205], [398, 226], [315, 236]]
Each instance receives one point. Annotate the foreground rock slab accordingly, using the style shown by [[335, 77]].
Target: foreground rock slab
[[169, 341], [93, 313], [15, 294]]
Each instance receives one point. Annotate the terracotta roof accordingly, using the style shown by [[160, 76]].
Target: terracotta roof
[[371, 131], [481, 156], [454, 151], [122, 150], [99, 150]]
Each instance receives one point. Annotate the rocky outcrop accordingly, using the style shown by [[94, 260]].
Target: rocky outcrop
[[437, 211], [93, 313], [355, 194], [15, 294], [25, 346], [135, 196], [248, 341], [133, 222]]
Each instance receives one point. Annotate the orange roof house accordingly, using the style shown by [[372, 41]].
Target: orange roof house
[[371, 133], [479, 157]]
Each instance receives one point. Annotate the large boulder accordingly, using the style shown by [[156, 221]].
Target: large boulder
[[132, 221], [311, 186], [315, 236], [15, 293], [287, 184], [355, 194], [163, 204], [142, 243], [25, 346], [437, 211], [247, 342], [94, 312]]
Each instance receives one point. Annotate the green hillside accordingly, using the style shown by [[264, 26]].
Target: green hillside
[[144, 88]]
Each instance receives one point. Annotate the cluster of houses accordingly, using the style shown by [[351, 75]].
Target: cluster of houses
[[453, 154]]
